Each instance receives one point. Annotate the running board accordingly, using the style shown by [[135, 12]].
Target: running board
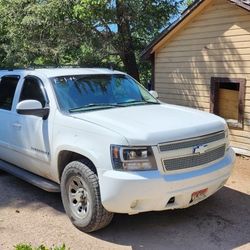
[[33, 179]]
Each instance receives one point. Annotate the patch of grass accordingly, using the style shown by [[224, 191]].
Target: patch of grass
[[42, 247]]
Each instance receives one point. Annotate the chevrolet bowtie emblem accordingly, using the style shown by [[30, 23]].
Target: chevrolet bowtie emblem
[[200, 149]]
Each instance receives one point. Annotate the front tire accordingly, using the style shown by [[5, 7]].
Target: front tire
[[81, 197]]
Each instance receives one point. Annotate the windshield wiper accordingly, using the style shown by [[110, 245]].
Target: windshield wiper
[[94, 106], [136, 103], [148, 102]]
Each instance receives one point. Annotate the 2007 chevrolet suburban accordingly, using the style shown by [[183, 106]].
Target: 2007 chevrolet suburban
[[108, 144]]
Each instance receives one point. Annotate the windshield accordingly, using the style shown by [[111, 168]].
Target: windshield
[[91, 92]]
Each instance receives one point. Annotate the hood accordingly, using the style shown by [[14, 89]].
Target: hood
[[154, 124]]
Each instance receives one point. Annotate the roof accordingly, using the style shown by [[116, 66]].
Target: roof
[[148, 50], [54, 72]]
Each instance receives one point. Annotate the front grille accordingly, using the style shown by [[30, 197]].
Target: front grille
[[192, 142], [194, 160]]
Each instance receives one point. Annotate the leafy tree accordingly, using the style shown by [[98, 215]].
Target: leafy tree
[[81, 32], [126, 25]]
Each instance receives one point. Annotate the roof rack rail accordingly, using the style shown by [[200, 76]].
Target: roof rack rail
[[56, 66], [16, 68], [34, 66]]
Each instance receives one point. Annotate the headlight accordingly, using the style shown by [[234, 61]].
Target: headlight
[[132, 158]]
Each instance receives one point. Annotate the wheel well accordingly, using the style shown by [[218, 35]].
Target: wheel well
[[65, 157]]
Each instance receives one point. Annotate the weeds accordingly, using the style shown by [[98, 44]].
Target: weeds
[[42, 247]]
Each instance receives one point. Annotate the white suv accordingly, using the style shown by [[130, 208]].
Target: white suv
[[108, 144]]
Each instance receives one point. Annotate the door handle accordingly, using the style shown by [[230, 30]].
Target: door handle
[[17, 125]]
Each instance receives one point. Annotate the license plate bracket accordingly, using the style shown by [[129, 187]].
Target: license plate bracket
[[198, 195]]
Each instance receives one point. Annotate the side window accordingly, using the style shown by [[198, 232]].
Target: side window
[[32, 90], [7, 91]]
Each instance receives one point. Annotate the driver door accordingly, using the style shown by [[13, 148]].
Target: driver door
[[30, 140]]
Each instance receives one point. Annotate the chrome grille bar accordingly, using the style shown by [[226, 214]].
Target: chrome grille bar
[[191, 142]]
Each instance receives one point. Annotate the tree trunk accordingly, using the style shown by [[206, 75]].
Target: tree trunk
[[125, 42]]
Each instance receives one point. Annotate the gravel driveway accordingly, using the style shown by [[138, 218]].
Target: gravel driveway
[[30, 215]]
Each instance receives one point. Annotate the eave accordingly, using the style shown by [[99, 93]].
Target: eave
[[192, 11]]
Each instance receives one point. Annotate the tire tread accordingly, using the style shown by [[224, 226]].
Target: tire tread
[[101, 216]]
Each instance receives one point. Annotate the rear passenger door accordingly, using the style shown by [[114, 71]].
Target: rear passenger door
[[8, 86]]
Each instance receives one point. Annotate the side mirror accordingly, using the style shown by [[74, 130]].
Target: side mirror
[[32, 107], [154, 94]]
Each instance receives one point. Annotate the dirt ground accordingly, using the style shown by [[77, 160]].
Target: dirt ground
[[30, 215]]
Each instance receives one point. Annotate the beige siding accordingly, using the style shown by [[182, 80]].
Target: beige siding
[[215, 44]]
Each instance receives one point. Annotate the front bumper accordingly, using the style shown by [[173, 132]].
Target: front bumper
[[135, 192]]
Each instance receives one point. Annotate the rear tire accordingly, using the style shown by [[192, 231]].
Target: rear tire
[[81, 197]]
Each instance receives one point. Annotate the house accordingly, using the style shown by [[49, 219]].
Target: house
[[203, 61]]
